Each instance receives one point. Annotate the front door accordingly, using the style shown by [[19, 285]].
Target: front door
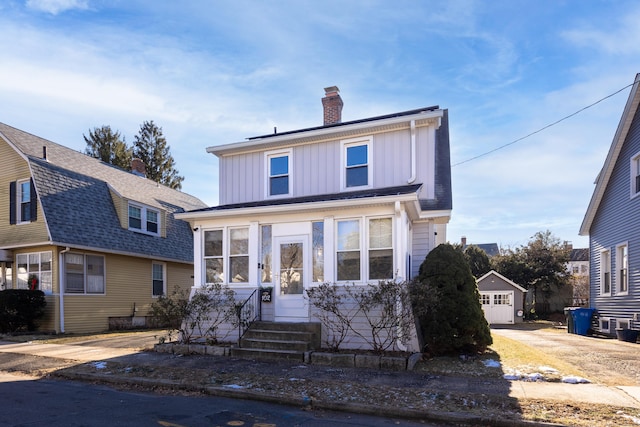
[[291, 275]]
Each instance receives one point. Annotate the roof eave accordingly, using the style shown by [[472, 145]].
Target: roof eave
[[616, 146]]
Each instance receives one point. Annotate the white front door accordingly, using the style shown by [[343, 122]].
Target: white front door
[[291, 259]]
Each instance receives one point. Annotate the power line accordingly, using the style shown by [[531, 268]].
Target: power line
[[543, 128]]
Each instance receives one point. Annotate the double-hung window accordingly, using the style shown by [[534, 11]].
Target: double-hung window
[[370, 257], [34, 271], [239, 255], [356, 164], [622, 267], [635, 175], [279, 173], [213, 256], [22, 202], [144, 219], [605, 272], [158, 283], [84, 274]]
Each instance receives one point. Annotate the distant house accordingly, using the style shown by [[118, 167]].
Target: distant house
[[578, 267], [102, 243], [611, 222], [502, 299], [349, 203], [491, 249]]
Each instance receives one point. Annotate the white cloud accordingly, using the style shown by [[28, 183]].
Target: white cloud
[[54, 7]]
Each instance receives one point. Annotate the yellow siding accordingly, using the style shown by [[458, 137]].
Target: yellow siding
[[128, 282], [120, 205], [13, 168]]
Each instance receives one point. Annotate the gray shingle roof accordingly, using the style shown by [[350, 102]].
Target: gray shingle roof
[[73, 189]]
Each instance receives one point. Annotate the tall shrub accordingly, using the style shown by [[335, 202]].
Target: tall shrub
[[447, 304], [21, 309]]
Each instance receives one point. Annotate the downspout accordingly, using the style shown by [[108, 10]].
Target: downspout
[[413, 153], [60, 290]]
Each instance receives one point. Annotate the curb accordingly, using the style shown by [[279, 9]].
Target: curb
[[447, 417]]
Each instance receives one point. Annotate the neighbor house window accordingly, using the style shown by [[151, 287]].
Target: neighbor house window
[[158, 283], [213, 256], [605, 273], [380, 249], [635, 175], [34, 271], [622, 264], [279, 173], [239, 255], [348, 250], [356, 162], [145, 219], [84, 274], [22, 202]]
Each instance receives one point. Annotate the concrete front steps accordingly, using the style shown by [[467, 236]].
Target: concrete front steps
[[278, 340]]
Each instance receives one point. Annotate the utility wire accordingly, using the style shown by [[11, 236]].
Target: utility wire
[[543, 128]]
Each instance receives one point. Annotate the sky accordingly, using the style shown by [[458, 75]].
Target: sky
[[218, 72]]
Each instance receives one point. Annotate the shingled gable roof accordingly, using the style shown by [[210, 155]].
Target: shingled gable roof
[[73, 190], [619, 138]]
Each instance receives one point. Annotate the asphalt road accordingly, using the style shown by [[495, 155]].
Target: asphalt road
[[25, 401]]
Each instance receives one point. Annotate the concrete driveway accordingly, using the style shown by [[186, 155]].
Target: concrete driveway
[[603, 360]]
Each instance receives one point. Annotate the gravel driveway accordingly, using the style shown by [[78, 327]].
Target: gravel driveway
[[603, 360]]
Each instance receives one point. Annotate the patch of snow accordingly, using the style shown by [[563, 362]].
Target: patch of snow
[[534, 377], [490, 363], [548, 369], [511, 377], [575, 380], [234, 386], [99, 365], [631, 418]]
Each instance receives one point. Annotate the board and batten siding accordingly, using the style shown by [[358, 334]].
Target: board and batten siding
[[421, 245], [128, 282], [15, 168], [316, 167], [617, 221]]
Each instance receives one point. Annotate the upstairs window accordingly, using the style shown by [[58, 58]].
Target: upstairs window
[[144, 219], [356, 162], [279, 173], [22, 202], [635, 175]]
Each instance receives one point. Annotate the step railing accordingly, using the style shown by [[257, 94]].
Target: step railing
[[248, 312]]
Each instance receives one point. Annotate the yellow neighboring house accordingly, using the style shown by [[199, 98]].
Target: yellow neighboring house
[[101, 242]]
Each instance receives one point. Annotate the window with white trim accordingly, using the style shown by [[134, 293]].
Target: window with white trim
[[239, 255], [635, 175], [158, 279], [34, 271], [144, 219], [278, 167], [370, 257], [24, 201], [605, 272], [84, 274], [356, 163], [622, 268], [213, 256]]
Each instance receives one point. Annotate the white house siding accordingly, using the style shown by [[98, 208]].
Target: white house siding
[[422, 237], [316, 168], [618, 221]]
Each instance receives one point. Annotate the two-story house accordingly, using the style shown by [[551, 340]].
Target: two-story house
[[347, 203], [100, 242], [611, 222]]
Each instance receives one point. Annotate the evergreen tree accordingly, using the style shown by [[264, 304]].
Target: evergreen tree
[[446, 302], [108, 146], [478, 261], [151, 147]]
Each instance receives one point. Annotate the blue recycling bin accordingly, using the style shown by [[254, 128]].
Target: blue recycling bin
[[582, 320]]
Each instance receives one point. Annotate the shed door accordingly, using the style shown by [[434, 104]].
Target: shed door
[[498, 307]]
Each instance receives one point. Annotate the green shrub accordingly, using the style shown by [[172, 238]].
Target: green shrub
[[21, 309], [446, 303]]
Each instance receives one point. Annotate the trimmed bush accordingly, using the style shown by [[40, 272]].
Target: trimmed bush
[[21, 309], [447, 305]]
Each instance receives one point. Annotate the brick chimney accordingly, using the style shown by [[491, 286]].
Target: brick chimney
[[138, 167], [332, 105]]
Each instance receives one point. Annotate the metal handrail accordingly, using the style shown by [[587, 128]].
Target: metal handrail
[[248, 312]]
